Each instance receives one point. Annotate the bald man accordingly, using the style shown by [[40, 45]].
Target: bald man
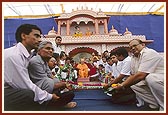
[[147, 79]]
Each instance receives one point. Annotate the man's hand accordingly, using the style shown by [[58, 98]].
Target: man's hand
[[118, 86], [55, 97], [69, 86], [59, 85], [105, 86]]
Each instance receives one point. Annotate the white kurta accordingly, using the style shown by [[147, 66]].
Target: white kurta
[[151, 90]]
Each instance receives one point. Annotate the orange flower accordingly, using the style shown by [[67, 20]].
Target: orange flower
[[80, 83], [114, 85]]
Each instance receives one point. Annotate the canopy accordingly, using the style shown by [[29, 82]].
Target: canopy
[[36, 9]]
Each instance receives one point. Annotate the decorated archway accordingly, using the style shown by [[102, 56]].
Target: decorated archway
[[81, 52]]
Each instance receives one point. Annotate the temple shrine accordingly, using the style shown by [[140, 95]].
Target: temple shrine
[[84, 31]]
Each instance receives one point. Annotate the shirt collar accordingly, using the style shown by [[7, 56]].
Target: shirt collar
[[23, 49], [141, 52], [57, 45]]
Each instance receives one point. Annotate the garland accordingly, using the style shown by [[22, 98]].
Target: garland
[[81, 85]]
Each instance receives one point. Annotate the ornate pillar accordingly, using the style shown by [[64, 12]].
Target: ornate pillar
[[96, 26], [68, 28], [105, 26], [59, 27]]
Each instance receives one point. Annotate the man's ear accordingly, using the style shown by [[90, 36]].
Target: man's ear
[[143, 44], [23, 36]]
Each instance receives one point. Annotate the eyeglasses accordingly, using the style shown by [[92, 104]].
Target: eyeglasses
[[133, 46]]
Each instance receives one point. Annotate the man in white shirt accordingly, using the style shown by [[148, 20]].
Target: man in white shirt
[[102, 61], [57, 47], [108, 67], [117, 65], [20, 93], [120, 71], [147, 79], [125, 61]]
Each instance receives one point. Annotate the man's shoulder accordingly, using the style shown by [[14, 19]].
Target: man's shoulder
[[149, 51], [35, 59], [13, 53], [127, 59]]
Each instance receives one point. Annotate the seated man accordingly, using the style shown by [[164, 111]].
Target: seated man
[[42, 76], [147, 75], [83, 69], [120, 72], [20, 93]]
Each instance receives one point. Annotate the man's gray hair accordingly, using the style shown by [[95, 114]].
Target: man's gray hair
[[43, 43]]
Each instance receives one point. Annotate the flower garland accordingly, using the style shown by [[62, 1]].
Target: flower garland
[[81, 85]]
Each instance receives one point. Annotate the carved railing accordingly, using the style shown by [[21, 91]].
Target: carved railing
[[98, 39]]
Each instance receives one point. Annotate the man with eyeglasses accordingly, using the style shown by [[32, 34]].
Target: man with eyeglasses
[[147, 79]]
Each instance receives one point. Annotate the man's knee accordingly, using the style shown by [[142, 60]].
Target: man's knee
[[151, 81], [29, 94], [48, 85], [18, 99]]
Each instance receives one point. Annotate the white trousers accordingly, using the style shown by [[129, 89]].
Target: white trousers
[[151, 90]]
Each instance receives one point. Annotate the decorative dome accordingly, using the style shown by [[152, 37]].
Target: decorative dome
[[127, 32], [113, 32], [52, 32]]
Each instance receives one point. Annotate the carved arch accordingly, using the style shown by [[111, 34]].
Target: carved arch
[[82, 49]]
